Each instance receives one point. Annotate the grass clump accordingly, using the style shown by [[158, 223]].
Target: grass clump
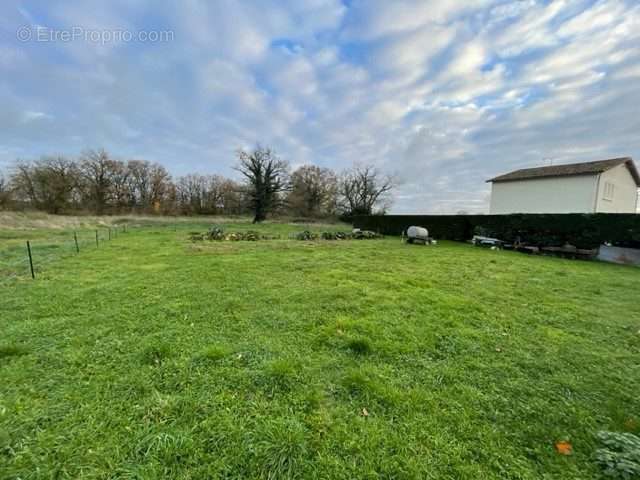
[[446, 346], [7, 351], [281, 374], [280, 450], [359, 346], [156, 353], [214, 353], [164, 448], [367, 385]]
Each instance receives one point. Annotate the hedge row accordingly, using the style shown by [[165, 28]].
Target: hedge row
[[581, 230]]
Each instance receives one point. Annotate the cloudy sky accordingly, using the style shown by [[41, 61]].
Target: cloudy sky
[[442, 93]]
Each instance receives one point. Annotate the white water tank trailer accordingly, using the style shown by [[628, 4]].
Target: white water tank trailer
[[418, 235]]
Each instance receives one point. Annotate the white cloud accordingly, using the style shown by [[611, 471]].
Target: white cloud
[[373, 19], [443, 93], [31, 116]]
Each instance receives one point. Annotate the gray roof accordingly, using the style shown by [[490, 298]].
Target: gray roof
[[585, 168]]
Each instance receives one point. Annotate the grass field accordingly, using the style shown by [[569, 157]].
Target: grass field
[[155, 357]]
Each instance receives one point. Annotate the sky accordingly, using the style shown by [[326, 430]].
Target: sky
[[442, 94]]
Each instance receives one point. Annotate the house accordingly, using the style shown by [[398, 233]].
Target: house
[[609, 186]]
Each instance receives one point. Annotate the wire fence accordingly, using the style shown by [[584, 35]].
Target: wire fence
[[30, 258]]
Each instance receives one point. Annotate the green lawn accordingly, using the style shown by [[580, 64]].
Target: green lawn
[[155, 357]]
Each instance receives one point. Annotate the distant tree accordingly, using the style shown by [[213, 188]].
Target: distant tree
[[5, 192], [214, 192], [363, 189], [233, 197], [47, 184], [190, 191], [209, 194], [97, 171], [266, 179], [149, 184], [159, 186], [140, 183], [120, 186], [171, 205], [313, 191]]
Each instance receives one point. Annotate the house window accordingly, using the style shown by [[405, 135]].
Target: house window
[[608, 191]]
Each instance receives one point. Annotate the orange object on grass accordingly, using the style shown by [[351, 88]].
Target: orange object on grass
[[564, 448]]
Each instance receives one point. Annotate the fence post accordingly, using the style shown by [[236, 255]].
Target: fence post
[[33, 274], [97, 238], [75, 239], [109, 233]]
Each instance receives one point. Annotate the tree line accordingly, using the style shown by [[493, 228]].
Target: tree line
[[99, 183]]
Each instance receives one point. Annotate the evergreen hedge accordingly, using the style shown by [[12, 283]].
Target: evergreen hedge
[[581, 230]]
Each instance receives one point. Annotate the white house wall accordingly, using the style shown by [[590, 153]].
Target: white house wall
[[625, 193], [575, 194]]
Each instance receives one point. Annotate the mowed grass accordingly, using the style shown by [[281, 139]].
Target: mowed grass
[[155, 357]]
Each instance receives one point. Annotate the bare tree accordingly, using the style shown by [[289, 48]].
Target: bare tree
[[209, 194], [266, 179], [364, 188], [122, 195], [313, 191], [158, 186], [233, 197], [5, 192], [149, 184], [139, 182], [97, 170], [190, 193], [214, 192], [47, 184]]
